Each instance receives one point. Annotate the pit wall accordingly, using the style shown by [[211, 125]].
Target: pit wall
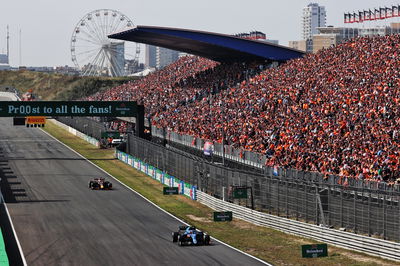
[[162, 177]]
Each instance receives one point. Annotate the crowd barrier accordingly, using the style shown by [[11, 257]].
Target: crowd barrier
[[155, 173]]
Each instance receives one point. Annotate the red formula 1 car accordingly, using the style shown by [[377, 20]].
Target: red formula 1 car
[[99, 183]]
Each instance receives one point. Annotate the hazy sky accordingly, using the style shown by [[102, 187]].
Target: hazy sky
[[47, 25]]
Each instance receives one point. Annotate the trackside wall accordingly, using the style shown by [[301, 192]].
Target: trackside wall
[[77, 133], [157, 174]]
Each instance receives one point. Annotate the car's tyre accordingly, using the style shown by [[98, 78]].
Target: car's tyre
[[175, 236], [90, 184], [207, 240], [181, 242]]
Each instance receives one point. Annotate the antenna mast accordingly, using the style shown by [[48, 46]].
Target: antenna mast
[[20, 49], [8, 45]]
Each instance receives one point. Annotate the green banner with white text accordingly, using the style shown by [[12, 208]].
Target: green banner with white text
[[68, 108]]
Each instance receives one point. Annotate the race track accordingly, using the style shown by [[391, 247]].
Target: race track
[[59, 221]]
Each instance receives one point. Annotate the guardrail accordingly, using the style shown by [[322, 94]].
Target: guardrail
[[372, 246]]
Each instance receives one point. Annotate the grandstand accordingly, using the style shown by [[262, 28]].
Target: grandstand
[[335, 112]]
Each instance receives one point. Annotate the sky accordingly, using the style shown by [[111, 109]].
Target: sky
[[46, 26]]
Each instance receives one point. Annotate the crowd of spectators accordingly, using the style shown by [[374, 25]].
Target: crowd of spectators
[[188, 79], [335, 112]]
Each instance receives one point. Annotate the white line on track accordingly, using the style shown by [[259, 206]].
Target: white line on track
[[15, 234], [155, 205]]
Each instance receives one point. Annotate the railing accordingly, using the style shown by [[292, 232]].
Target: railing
[[369, 245], [258, 161]]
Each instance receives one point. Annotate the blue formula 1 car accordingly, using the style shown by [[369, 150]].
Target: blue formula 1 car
[[189, 235]]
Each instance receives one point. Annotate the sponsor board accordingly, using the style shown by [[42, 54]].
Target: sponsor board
[[314, 251], [170, 190], [223, 216]]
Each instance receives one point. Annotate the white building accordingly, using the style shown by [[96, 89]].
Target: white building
[[4, 62], [3, 59], [314, 16]]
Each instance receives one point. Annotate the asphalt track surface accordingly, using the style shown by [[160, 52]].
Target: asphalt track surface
[[59, 221]]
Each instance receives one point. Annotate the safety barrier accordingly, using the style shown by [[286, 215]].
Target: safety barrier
[[11, 95], [155, 173], [372, 246], [77, 133]]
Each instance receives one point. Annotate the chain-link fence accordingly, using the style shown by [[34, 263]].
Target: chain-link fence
[[257, 162], [85, 125], [303, 197]]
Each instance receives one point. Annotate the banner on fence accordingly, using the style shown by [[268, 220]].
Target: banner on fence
[[164, 178]]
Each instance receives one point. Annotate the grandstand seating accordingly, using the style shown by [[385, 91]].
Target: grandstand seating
[[335, 112]]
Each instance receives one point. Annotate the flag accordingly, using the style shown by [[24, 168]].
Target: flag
[[389, 12], [356, 18], [275, 171], [395, 11], [382, 12], [360, 16], [377, 14], [366, 15]]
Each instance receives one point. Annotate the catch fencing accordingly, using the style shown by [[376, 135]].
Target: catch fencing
[[362, 210], [86, 125], [257, 161]]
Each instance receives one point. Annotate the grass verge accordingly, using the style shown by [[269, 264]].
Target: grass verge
[[267, 244]]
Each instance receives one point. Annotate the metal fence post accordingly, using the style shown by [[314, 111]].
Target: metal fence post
[[369, 213], [355, 211], [341, 208], [297, 196], [287, 199], [306, 199], [384, 216]]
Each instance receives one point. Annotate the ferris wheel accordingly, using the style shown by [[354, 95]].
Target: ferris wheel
[[93, 53]]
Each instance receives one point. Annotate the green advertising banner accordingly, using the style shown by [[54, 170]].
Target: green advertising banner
[[170, 190], [114, 135], [68, 108], [240, 193], [222, 216], [314, 251]]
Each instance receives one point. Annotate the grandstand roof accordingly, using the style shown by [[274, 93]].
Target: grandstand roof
[[215, 46]]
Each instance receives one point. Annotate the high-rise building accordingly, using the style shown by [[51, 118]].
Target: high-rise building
[[150, 56], [159, 57], [314, 16], [165, 57], [117, 59]]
